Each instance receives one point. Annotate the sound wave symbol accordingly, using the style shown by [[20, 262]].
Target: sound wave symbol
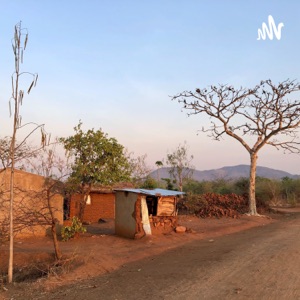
[[269, 30]]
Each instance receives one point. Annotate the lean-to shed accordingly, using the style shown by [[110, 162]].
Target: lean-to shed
[[141, 211]]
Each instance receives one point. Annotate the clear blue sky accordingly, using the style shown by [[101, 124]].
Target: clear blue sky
[[115, 64]]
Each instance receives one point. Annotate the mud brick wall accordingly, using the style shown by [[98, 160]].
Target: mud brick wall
[[163, 224], [102, 207], [29, 197]]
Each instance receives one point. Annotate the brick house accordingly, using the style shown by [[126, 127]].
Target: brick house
[[100, 203]]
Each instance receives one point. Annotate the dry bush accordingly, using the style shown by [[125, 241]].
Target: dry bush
[[47, 267]]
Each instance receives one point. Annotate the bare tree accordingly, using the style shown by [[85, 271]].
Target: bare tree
[[36, 210], [159, 164], [181, 168], [19, 43], [55, 170], [264, 115], [139, 168], [23, 153], [38, 206]]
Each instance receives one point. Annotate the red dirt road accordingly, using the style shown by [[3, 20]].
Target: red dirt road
[[258, 263]]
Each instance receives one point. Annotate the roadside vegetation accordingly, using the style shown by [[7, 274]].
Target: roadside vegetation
[[283, 192], [229, 198]]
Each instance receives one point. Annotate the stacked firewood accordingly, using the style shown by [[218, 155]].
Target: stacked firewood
[[215, 205]]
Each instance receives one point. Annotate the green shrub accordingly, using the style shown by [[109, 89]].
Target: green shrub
[[68, 232]]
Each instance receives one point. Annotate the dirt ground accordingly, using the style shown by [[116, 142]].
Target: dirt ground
[[101, 263]]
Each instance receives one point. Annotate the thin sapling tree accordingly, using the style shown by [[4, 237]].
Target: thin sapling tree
[[19, 43]]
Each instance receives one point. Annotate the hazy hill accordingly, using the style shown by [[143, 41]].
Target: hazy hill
[[233, 172]]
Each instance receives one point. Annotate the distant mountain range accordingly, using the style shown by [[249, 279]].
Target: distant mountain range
[[233, 172]]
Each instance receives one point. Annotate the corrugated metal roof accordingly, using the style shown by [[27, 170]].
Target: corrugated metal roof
[[154, 192]]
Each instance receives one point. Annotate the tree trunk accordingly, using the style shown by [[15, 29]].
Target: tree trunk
[[252, 200], [54, 221], [58, 254], [12, 191], [180, 186], [180, 178], [85, 190], [82, 205], [11, 225]]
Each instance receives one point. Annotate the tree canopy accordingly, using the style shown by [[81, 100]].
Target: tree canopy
[[97, 158]]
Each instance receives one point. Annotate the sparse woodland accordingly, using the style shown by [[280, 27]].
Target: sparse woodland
[[271, 116]]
